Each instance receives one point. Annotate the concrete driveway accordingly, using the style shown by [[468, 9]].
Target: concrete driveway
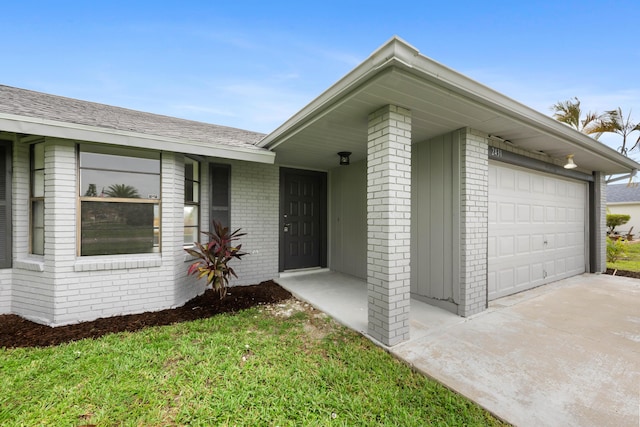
[[565, 354]]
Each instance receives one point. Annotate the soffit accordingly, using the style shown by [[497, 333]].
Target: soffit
[[437, 108]]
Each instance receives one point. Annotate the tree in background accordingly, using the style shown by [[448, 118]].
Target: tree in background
[[617, 123], [614, 220], [91, 191], [570, 113], [123, 191], [611, 121]]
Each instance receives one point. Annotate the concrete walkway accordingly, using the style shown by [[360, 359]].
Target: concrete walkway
[[565, 354]]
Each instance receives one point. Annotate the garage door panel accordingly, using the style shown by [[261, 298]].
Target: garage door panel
[[549, 187], [507, 213], [506, 246], [506, 277], [561, 240], [491, 283], [536, 229], [493, 212], [561, 215], [523, 245], [538, 242], [524, 213], [523, 274], [537, 184], [537, 214], [550, 215]]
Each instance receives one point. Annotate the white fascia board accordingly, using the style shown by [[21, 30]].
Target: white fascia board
[[63, 130], [374, 64], [469, 88], [396, 53]]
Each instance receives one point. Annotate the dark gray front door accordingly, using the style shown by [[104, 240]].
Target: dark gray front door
[[302, 219]]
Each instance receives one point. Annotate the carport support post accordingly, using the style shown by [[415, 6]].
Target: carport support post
[[474, 221], [388, 224]]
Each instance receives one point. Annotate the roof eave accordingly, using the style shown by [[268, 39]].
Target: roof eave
[[376, 62], [396, 53], [64, 130]]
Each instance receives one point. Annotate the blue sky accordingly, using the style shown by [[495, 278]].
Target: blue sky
[[254, 64]]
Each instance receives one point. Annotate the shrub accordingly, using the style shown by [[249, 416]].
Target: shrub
[[214, 257], [615, 249], [614, 220]]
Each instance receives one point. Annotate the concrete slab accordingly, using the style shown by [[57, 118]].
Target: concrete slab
[[563, 354], [344, 298], [566, 354]]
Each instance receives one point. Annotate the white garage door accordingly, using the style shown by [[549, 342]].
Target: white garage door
[[536, 229]]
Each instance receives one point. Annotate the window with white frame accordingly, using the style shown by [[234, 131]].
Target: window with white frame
[[119, 200], [37, 199], [191, 201]]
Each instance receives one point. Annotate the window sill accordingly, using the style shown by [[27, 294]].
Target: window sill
[[119, 262], [33, 264]]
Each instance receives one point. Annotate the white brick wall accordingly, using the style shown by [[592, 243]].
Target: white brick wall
[[62, 287], [255, 209], [103, 286], [32, 288], [5, 291], [185, 287], [389, 223], [474, 225]]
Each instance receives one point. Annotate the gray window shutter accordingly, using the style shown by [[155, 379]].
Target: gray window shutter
[[220, 179], [5, 204]]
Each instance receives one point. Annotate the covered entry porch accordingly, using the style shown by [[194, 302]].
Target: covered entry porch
[[344, 298], [410, 214]]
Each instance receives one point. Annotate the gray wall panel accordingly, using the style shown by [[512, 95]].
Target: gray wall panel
[[348, 219], [433, 216]]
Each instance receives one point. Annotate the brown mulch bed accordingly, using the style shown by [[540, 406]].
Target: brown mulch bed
[[18, 332], [634, 274]]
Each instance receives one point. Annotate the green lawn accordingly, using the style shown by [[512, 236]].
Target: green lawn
[[631, 260], [253, 368]]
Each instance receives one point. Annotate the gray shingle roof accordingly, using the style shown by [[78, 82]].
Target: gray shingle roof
[[620, 193], [28, 103]]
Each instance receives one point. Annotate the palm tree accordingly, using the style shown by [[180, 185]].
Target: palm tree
[[617, 123], [570, 113], [122, 191]]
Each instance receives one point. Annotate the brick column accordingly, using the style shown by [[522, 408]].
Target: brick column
[[388, 223], [474, 222], [60, 225]]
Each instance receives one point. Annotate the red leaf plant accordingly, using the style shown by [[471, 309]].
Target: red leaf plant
[[213, 257]]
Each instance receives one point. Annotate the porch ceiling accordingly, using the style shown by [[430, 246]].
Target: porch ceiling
[[440, 100]]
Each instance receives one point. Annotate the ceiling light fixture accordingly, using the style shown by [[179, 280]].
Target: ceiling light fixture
[[344, 158], [570, 163]]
